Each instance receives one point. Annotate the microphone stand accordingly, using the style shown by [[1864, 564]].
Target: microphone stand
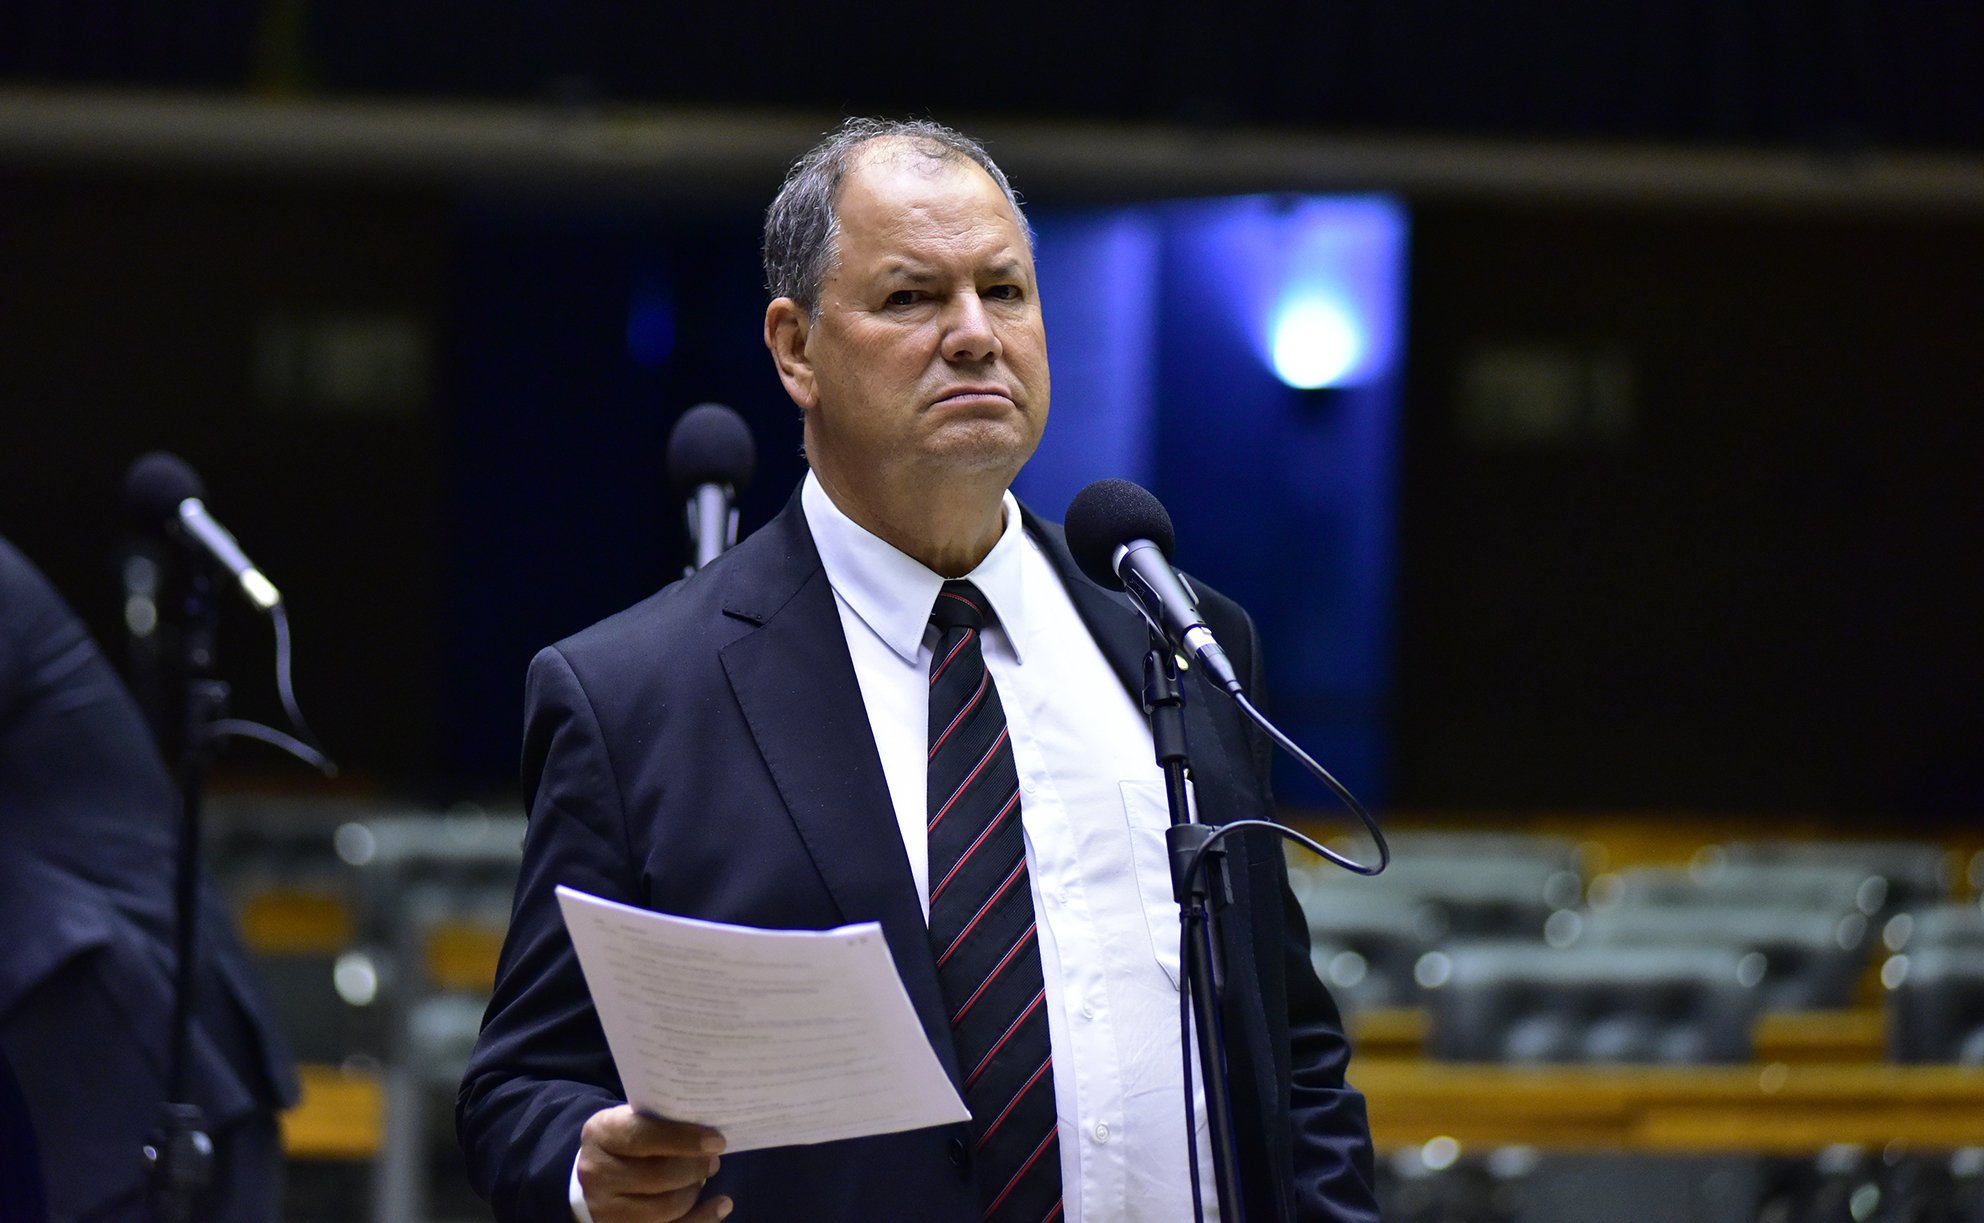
[[175, 663], [712, 514], [179, 1152], [1200, 895]]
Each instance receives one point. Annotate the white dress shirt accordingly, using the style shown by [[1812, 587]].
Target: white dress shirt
[[1093, 810]]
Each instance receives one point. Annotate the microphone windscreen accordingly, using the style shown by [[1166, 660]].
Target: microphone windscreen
[[711, 444], [156, 484], [1107, 515]]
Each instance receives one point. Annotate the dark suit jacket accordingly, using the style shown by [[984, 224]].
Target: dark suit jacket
[[707, 753], [88, 826], [20, 1172]]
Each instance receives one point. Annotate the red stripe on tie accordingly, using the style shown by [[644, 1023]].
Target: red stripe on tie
[[973, 776], [962, 643], [1024, 1168], [987, 1061], [1053, 1214], [950, 594], [973, 847], [969, 705], [1013, 1104], [1000, 967], [1018, 868]]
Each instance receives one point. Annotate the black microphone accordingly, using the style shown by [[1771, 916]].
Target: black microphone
[[710, 460], [1122, 539], [162, 491]]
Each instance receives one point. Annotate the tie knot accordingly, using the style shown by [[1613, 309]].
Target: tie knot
[[959, 605]]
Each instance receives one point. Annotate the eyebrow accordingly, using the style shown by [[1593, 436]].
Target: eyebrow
[[920, 274]]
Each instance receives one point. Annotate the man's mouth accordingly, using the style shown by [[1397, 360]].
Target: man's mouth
[[959, 394]]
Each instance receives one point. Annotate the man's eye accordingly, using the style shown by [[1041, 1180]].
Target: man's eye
[[1004, 293], [904, 297]]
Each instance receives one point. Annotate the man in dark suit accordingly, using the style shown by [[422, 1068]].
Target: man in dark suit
[[88, 827], [775, 742]]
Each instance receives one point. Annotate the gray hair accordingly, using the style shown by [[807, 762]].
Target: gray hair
[[802, 226]]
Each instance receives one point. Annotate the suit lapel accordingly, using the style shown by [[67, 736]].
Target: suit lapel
[[795, 682]]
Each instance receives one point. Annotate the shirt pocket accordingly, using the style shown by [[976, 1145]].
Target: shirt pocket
[[1148, 815]]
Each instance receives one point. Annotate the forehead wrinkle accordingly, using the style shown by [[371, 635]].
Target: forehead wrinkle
[[911, 238]]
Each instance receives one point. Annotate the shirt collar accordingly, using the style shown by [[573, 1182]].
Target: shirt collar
[[893, 592]]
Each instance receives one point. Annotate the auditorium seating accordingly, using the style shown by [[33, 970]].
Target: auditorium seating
[[1461, 885], [1365, 945], [1936, 1006], [1523, 1003], [1664, 953], [319, 983], [1800, 959], [1592, 1005], [1935, 983], [377, 928], [435, 892], [1540, 954], [1936, 925], [1810, 887], [1912, 872]]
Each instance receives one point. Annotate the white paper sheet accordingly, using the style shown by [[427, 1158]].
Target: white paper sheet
[[774, 1037]]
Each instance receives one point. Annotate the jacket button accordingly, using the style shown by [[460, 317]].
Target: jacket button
[[959, 1159]]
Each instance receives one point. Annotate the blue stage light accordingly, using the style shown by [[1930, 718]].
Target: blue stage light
[[1178, 329], [1317, 342], [1332, 286]]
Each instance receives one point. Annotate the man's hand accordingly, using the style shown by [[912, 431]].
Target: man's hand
[[638, 1169]]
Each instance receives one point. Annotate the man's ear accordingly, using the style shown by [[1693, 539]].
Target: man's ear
[[787, 324]]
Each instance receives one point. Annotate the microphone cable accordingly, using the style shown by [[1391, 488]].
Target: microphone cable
[[304, 743]]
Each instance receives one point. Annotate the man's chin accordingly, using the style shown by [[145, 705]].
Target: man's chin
[[983, 447]]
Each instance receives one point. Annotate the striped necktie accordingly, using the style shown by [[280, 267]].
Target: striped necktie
[[982, 926]]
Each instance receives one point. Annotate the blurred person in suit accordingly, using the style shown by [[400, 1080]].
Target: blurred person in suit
[[88, 833]]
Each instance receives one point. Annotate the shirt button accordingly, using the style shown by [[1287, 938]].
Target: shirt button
[[1088, 1010], [1028, 785], [1101, 1131]]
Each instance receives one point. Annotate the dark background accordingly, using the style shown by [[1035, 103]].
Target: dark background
[[1838, 73], [1763, 596]]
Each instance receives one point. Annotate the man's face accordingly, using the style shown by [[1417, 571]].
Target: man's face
[[927, 358]]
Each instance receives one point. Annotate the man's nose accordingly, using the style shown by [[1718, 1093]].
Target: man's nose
[[969, 335]]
